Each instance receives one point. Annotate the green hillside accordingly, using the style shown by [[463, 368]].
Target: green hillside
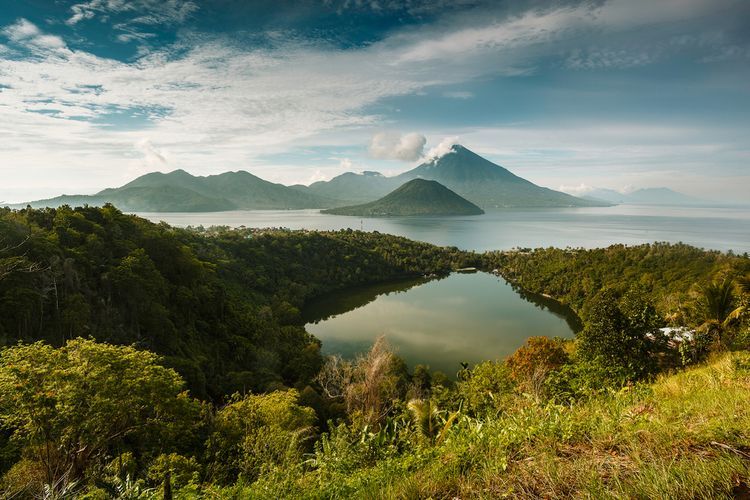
[[178, 191], [416, 197], [353, 188], [222, 307]]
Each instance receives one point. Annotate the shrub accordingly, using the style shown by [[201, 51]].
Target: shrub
[[71, 407], [255, 432], [486, 387], [585, 378], [368, 385], [623, 335], [180, 469], [531, 363]]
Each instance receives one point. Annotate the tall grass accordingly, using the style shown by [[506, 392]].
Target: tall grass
[[686, 435]]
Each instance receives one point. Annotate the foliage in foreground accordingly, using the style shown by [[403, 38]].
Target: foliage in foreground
[[557, 419], [684, 436]]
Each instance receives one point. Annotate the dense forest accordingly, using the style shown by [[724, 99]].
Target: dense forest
[[144, 361], [669, 273], [221, 306]]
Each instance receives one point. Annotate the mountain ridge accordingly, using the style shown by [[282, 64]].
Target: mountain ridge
[[180, 191], [462, 171]]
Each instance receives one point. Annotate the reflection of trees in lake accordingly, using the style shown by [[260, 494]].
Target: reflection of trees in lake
[[349, 299], [342, 301], [549, 304]]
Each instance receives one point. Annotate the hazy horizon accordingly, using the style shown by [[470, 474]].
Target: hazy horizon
[[571, 95], [573, 190]]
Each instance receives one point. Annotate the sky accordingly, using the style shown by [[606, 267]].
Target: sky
[[572, 95]]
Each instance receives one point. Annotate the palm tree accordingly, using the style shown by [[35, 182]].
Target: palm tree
[[430, 421], [718, 308], [425, 415]]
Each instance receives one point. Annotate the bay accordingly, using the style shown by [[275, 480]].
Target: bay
[[717, 228]]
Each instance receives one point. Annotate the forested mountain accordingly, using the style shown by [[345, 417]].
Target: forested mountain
[[178, 191], [351, 187], [415, 197], [223, 307], [462, 171]]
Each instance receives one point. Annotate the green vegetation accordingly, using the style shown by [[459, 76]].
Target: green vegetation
[[178, 191], [71, 407], [416, 197], [221, 306], [670, 274], [351, 187], [684, 436], [142, 361]]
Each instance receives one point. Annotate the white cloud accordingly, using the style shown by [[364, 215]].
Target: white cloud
[[595, 58], [215, 104], [317, 176], [49, 41], [458, 94], [21, 30], [532, 27], [346, 164], [215, 107], [153, 157], [24, 32], [394, 146], [131, 35], [576, 190], [143, 11], [443, 148]]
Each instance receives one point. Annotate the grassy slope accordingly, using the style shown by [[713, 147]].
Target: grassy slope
[[685, 436]]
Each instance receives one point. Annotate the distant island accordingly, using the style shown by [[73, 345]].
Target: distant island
[[646, 196], [462, 171], [416, 197]]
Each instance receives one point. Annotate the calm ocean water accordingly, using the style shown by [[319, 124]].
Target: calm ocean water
[[711, 228]]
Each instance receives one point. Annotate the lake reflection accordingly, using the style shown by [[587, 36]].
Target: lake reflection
[[440, 323]]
